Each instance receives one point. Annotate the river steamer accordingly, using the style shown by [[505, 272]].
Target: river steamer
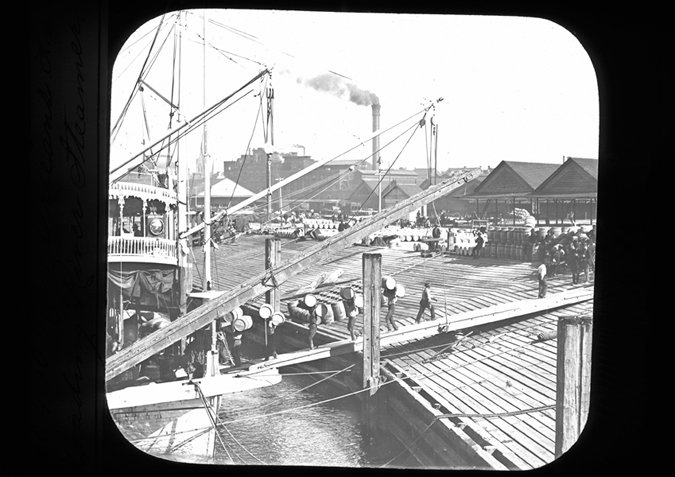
[[157, 409]]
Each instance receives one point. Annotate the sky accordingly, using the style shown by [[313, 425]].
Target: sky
[[512, 88]]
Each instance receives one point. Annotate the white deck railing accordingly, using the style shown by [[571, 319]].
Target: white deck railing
[[142, 249]]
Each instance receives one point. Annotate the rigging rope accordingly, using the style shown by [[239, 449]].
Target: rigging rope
[[212, 417], [414, 128], [246, 152], [140, 76], [209, 113]]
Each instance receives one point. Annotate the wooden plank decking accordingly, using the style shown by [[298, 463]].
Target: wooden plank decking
[[498, 370]]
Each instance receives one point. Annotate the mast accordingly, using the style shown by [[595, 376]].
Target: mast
[[183, 204], [207, 173], [212, 368]]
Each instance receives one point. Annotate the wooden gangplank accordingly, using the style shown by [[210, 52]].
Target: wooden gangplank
[[256, 286], [460, 321]]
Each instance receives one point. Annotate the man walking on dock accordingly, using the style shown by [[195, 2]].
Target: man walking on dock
[[425, 303], [584, 260], [352, 311], [475, 253], [390, 295], [313, 324], [541, 274], [573, 260]]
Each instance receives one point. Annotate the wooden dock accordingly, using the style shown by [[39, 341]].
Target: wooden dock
[[480, 394]]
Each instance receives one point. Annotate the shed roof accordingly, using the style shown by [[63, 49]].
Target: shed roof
[[577, 177], [514, 179], [408, 189]]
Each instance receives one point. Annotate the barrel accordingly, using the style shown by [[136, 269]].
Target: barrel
[[298, 313], [323, 311], [519, 252], [526, 235], [347, 293], [310, 300], [242, 323], [277, 318], [338, 311], [500, 250], [235, 314], [400, 290], [513, 251], [266, 311], [388, 283]]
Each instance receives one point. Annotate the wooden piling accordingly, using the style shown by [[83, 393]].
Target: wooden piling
[[573, 380], [372, 291]]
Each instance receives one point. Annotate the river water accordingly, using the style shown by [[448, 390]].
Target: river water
[[290, 424]]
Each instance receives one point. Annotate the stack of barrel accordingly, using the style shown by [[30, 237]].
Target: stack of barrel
[[509, 242], [267, 312], [239, 321], [461, 242]]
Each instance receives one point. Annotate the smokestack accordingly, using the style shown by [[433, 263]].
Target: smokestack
[[376, 140]]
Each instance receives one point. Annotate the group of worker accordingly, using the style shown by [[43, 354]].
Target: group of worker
[[577, 254], [352, 311]]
